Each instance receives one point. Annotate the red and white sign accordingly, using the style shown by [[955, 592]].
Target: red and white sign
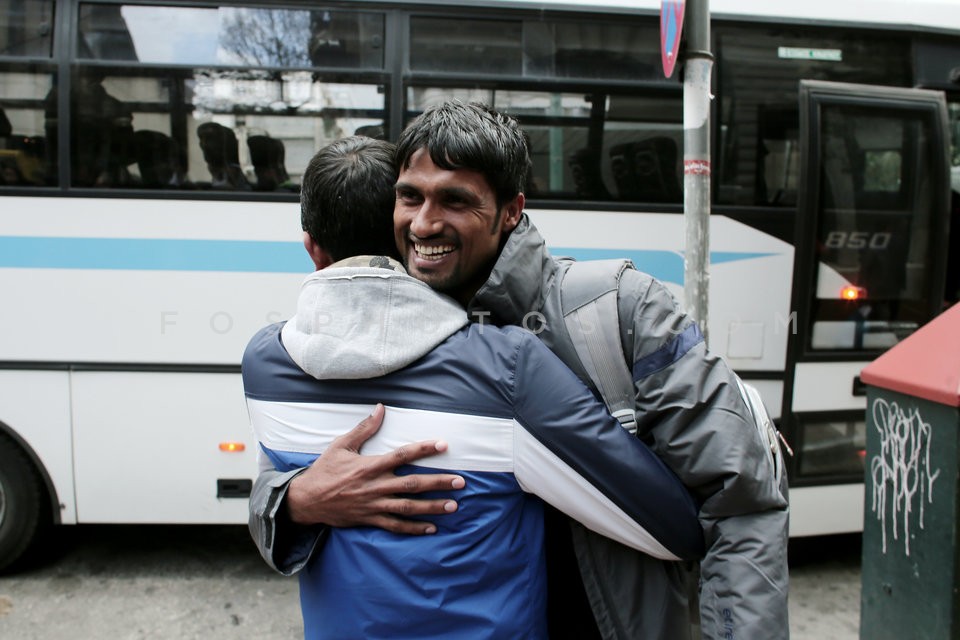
[[671, 26]]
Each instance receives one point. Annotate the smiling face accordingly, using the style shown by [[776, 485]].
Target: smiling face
[[448, 226]]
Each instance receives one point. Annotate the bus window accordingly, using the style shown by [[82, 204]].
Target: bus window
[[613, 51], [232, 36], [26, 79], [589, 146], [952, 289], [535, 48], [206, 129], [26, 28], [235, 106], [26, 155], [873, 283], [832, 447], [611, 132], [453, 44], [759, 70]]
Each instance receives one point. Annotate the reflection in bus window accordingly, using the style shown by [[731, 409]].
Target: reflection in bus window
[[535, 48], [221, 152], [646, 170], [101, 134], [159, 160], [578, 50], [874, 230], [268, 157], [480, 46], [952, 290], [578, 141], [103, 34], [232, 36], [26, 28], [760, 70], [24, 149], [187, 128]]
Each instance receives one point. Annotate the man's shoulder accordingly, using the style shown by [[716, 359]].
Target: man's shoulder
[[263, 343], [489, 336], [265, 336], [490, 343]]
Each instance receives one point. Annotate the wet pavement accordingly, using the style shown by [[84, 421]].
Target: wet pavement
[[122, 582]]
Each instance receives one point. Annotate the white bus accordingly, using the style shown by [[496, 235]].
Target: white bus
[[150, 155]]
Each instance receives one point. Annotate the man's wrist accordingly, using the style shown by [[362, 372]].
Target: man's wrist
[[294, 501]]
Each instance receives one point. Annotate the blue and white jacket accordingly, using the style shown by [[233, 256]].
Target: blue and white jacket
[[507, 407]]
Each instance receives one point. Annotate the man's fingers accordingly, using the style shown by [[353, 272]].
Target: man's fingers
[[408, 507], [414, 451], [418, 483], [355, 438], [408, 527]]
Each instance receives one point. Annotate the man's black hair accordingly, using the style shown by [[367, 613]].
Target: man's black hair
[[474, 137], [347, 198]]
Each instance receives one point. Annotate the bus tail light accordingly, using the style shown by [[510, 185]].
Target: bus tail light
[[232, 447], [852, 293]]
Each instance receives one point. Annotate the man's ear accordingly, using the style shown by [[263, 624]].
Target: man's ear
[[512, 212], [321, 259]]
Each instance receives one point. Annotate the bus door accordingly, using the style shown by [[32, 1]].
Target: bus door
[[869, 270]]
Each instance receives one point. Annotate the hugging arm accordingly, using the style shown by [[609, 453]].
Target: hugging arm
[[574, 455], [290, 510]]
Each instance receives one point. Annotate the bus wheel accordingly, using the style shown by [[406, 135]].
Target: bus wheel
[[22, 504]]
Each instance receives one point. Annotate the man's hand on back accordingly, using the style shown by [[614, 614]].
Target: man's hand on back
[[345, 489]]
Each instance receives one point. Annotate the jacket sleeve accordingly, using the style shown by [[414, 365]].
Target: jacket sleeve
[[283, 544], [569, 451], [693, 413]]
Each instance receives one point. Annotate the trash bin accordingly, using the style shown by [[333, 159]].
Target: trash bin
[[909, 577]]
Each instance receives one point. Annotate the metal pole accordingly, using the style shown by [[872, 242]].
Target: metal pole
[[697, 71]]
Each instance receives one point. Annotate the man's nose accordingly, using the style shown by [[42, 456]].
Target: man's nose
[[428, 220]]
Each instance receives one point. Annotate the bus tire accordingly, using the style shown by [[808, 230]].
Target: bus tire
[[22, 505]]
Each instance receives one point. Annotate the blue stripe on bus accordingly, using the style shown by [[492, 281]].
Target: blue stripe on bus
[[666, 266], [153, 254], [150, 254]]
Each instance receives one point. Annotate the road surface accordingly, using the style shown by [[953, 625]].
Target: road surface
[[120, 582]]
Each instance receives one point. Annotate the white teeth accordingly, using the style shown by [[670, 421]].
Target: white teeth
[[431, 252]]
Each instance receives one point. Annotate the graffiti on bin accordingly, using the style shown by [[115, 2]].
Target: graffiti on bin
[[901, 474]]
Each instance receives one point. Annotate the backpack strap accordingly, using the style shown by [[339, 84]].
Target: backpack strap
[[588, 299]]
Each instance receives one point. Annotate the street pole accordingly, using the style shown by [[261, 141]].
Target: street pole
[[697, 72]]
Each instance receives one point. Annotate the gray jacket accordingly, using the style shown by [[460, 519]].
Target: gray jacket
[[690, 411]]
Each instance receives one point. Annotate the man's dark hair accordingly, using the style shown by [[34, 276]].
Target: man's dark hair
[[471, 136], [347, 198]]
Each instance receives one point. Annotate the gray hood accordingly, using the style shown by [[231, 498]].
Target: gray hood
[[364, 322]]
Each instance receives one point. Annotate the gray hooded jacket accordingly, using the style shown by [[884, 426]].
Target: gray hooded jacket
[[691, 412]]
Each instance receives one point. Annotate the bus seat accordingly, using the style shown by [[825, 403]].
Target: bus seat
[[646, 170], [221, 151], [267, 155], [158, 159], [587, 181]]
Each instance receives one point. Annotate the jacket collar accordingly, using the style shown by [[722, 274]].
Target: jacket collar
[[520, 279]]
